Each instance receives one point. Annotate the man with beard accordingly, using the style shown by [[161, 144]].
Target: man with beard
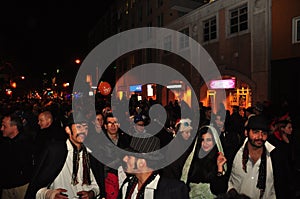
[[257, 169], [67, 169], [143, 179]]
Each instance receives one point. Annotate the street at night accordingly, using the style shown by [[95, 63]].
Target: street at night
[[150, 99]]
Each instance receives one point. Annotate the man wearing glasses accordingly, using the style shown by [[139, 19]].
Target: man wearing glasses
[[117, 139]]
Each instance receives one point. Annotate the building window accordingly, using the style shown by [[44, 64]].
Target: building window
[[183, 40], [238, 19], [210, 29], [296, 30]]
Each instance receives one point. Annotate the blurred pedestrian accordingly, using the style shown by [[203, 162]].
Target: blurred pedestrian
[[179, 149], [281, 138]]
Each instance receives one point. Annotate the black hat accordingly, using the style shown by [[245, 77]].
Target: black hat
[[145, 147], [258, 122]]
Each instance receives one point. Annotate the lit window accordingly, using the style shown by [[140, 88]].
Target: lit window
[[296, 30]]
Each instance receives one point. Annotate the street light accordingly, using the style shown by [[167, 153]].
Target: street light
[[77, 61], [13, 81]]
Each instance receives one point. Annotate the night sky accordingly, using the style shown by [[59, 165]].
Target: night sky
[[40, 36]]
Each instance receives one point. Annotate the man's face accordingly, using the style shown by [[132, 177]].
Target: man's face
[[6, 128], [112, 125], [139, 126], [44, 121], [78, 133], [257, 138]]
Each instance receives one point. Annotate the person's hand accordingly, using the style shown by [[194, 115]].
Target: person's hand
[[86, 194], [221, 160]]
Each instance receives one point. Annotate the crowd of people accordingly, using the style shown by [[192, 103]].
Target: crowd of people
[[59, 149]]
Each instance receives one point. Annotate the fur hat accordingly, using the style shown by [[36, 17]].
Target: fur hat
[[184, 125]]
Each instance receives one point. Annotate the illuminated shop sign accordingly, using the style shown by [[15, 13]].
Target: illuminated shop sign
[[222, 84], [173, 86], [136, 88]]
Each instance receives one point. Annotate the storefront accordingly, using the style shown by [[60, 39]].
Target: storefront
[[238, 93]]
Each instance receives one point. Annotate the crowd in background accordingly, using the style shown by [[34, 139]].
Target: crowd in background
[[45, 120]]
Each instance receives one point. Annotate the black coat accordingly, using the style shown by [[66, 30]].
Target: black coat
[[51, 163], [16, 161], [179, 146], [281, 173]]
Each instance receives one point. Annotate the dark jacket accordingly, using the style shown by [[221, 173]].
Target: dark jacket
[[281, 169], [51, 163], [168, 189], [16, 161], [177, 147], [52, 133]]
